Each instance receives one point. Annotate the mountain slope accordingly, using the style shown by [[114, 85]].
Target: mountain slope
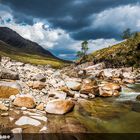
[[18, 48], [124, 54], [12, 38]]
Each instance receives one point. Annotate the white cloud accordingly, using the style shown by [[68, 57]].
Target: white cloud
[[118, 18], [56, 40], [94, 44], [101, 43], [47, 38]]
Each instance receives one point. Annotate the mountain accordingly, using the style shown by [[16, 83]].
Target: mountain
[[124, 54], [15, 46]]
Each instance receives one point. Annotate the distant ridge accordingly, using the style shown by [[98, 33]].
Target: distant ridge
[[12, 38], [15, 46]]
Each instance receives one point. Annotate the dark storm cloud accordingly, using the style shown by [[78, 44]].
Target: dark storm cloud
[[70, 15], [90, 33]]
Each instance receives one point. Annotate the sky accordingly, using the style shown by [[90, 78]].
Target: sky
[[61, 25]]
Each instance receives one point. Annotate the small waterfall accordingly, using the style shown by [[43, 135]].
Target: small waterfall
[[129, 93]]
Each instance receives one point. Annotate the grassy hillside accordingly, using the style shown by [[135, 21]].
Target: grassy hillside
[[125, 54], [17, 54], [16, 47]]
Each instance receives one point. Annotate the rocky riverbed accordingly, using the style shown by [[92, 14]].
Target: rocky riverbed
[[78, 99]]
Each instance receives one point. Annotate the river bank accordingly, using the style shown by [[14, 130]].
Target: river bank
[[36, 99]]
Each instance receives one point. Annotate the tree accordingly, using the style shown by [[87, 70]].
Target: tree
[[84, 48], [127, 33], [79, 54], [135, 35]]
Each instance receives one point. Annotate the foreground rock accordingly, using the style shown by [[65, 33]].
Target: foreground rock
[[25, 101], [73, 85], [40, 107], [36, 85], [9, 88], [129, 81], [109, 89], [24, 120], [3, 107], [17, 130], [57, 94], [8, 74], [89, 86], [39, 77], [59, 106]]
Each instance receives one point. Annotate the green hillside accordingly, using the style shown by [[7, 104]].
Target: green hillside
[[17, 54], [126, 53]]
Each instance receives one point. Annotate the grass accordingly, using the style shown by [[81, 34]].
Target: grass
[[126, 53], [16, 54], [34, 59]]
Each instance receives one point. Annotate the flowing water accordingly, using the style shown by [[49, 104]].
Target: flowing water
[[104, 115], [100, 115]]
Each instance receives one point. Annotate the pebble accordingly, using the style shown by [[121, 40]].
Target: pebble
[[4, 114], [24, 108]]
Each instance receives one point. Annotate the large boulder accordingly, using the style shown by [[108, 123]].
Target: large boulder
[[109, 89], [73, 85], [8, 74], [25, 101], [59, 106], [24, 120], [89, 86], [9, 88]]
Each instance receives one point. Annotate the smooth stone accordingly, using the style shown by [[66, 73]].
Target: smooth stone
[[17, 130], [89, 86], [40, 106], [57, 94], [9, 88], [11, 119], [5, 114], [73, 85], [24, 120], [25, 101], [108, 93], [59, 106], [111, 86], [24, 108], [3, 107], [36, 85]]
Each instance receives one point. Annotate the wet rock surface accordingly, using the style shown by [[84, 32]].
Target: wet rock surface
[[59, 106]]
